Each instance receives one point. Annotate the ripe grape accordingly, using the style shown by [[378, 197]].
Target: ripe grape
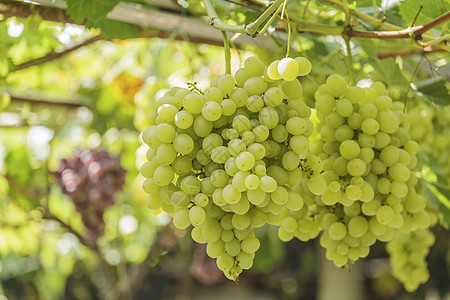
[[288, 68]]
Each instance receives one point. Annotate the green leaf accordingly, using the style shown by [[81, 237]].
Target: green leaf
[[368, 3], [436, 187], [440, 201], [390, 70], [93, 10], [387, 68], [430, 10], [117, 29], [435, 90]]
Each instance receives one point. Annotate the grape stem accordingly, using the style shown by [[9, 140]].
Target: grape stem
[[347, 42], [288, 47], [264, 29], [350, 60], [250, 29], [217, 23], [227, 52]]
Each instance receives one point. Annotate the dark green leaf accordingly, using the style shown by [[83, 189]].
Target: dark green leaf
[[393, 15], [430, 10], [435, 90]]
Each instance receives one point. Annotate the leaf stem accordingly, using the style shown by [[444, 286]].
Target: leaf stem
[[350, 60], [417, 15], [226, 49]]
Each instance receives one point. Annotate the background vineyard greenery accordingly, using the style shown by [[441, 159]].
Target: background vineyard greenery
[[113, 82]]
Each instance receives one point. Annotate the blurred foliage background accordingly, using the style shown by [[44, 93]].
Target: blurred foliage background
[[98, 96]]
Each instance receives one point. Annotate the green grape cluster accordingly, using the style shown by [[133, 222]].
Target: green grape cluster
[[407, 257], [430, 127], [230, 158], [369, 161]]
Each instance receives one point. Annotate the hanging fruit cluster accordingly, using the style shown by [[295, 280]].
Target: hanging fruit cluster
[[91, 179], [241, 154]]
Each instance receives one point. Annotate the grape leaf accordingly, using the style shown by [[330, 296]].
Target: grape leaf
[[367, 3], [117, 29], [388, 69], [430, 10], [93, 10], [436, 187], [440, 202], [435, 90]]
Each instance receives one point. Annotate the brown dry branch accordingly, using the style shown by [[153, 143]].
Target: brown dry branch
[[69, 104], [55, 55], [416, 31], [23, 10]]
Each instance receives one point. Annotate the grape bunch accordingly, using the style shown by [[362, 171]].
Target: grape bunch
[[430, 127], [91, 179], [228, 159], [369, 163], [407, 256]]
